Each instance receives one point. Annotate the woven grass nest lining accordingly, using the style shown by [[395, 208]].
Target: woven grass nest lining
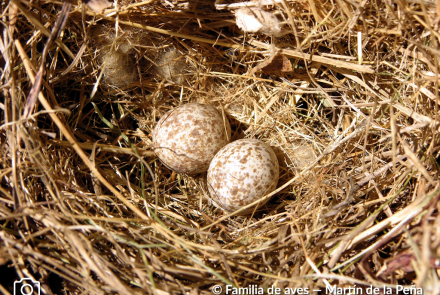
[[353, 119]]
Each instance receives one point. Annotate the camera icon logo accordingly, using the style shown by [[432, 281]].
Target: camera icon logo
[[26, 287]]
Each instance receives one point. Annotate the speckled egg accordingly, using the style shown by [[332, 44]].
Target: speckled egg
[[187, 138], [241, 173]]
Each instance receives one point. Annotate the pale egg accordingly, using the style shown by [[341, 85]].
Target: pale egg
[[242, 172], [187, 138]]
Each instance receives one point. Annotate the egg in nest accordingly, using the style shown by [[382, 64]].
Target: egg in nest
[[187, 138], [242, 172]]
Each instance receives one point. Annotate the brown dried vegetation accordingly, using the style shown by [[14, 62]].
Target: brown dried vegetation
[[86, 208]]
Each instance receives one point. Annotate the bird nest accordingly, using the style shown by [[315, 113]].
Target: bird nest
[[343, 91]]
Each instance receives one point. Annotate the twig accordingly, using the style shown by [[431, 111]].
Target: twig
[[58, 27], [42, 28], [246, 4], [318, 58]]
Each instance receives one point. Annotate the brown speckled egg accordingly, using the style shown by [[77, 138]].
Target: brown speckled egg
[[241, 173], [187, 138]]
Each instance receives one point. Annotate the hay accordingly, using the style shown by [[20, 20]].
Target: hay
[[87, 208]]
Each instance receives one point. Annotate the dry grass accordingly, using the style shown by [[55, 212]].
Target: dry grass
[[347, 97]]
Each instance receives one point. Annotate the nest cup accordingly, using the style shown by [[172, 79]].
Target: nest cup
[[357, 81]]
